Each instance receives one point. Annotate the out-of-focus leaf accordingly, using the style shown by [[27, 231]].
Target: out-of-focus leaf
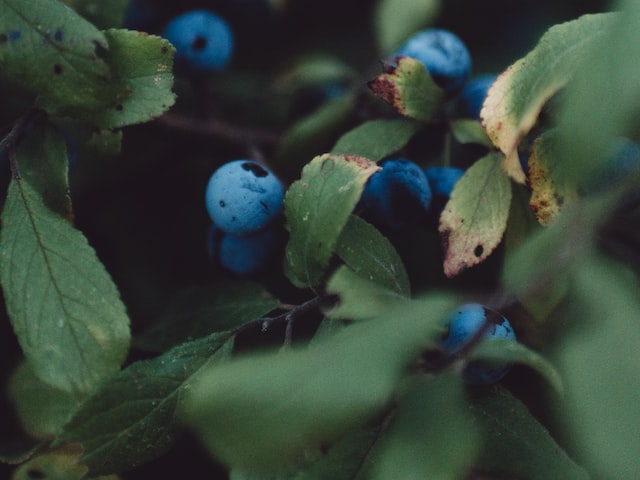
[[514, 444], [102, 14], [131, 419], [43, 410], [377, 139], [475, 217], [60, 464], [315, 69], [396, 20], [599, 361], [431, 435], [368, 253], [516, 98], [317, 207], [64, 307], [54, 52], [352, 289], [288, 403], [547, 197], [408, 87], [199, 311]]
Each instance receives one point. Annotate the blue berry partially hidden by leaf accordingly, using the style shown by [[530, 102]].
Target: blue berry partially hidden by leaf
[[444, 55], [464, 323], [441, 181], [250, 254], [471, 98], [397, 196], [243, 197], [203, 40]]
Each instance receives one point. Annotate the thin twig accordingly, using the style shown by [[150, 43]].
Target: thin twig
[[10, 140]]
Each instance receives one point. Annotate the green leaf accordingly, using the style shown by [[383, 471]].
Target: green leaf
[[60, 464], [396, 20], [514, 444], [314, 134], [54, 52], [198, 311], [475, 217], [352, 288], [131, 419], [409, 89], [368, 253], [141, 67], [547, 196], [431, 435], [599, 361], [469, 131], [288, 405], [605, 72], [317, 207], [518, 95], [64, 307], [102, 14], [502, 351], [315, 69], [42, 409], [377, 139]]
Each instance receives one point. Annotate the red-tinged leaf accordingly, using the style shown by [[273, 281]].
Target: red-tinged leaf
[[474, 220], [409, 89], [518, 95]]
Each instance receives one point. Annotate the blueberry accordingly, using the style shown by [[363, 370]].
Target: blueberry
[[397, 196], [472, 96], [203, 40], [441, 181], [250, 254], [243, 197], [463, 324], [444, 55]]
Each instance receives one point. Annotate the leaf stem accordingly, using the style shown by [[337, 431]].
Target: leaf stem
[[11, 139]]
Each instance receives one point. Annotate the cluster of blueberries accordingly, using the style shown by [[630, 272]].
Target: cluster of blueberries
[[244, 198]]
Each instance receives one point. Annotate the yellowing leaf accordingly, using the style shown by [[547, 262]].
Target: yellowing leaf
[[518, 95], [474, 219]]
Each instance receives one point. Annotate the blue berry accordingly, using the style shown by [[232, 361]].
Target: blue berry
[[443, 179], [463, 324], [243, 197], [472, 96], [248, 255], [203, 40], [444, 55], [397, 196]]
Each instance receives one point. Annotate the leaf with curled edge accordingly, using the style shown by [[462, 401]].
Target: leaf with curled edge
[[408, 87], [475, 217], [518, 95]]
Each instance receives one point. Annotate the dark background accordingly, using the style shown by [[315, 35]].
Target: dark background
[[143, 210]]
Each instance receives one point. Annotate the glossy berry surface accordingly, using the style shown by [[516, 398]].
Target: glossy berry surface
[[444, 55], [243, 197], [397, 196], [463, 325], [203, 41], [472, 96]]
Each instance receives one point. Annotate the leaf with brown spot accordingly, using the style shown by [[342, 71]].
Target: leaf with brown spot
[[518, 95], [474, 220], [409, 89], [547, 196]]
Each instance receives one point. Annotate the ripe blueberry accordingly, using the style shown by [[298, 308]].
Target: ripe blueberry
[[442, 180], [203, 41], [243, 197], [463, 325], [472, 96], [444, 55], [397, 196]]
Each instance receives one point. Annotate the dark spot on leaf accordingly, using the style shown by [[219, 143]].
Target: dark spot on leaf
[[222, 204], [478, 251], [254, 168], [199, 43], [57, 69], [3, 38], [58, 35], [164, 50], [119, 107], [35, 473], [15, 34]]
